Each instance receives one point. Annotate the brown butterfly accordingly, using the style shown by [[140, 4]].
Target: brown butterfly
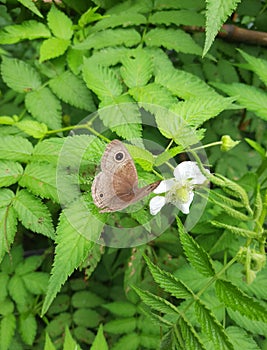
[[116, 186]]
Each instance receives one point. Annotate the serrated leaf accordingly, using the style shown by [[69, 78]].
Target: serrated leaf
[[196, 255], [27, 328], [120, 325], [10, 172], [86, 299], [90, 16], [48, 343], [124, 19], [40, 179], [216, 14], [36, 282], [121, 308], [168, 282], [183, 84], [69, 342], [168, 154], [110, 37], [109, 56], [172, 39], [31, 6], [48, 150], [29, 264], [15, 148], [130, 342], [59, 23], [177, 17], [4, 278], [99, 342], [29, 78], [7, 331], [136, 69], [237, 300], [52, 48], [44, 107], [8, 228], [30, 30], [153, 94], [257, 65], [86, 318], [249, 97], [33, 214], [142, 156], [157, 303], [72, 90], [212, 328], [102, 80], [32, 128], [241, 339], [190, 336], [72, 246], [17, 290]]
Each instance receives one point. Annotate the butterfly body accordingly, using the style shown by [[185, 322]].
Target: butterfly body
[[116, 186]]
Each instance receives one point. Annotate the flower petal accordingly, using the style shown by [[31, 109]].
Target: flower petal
[[184, 206], [156, 204], [164, 186], [189, 170]]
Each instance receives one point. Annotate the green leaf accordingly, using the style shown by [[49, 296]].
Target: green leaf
[[257, 65], [235, 299], [36, 282], [32, 128], [29, 78], [17, 290], [99, 342], [72, 246], [216, 15], [40, 179], [241, 339], [197, 257], [8, 229], [86, 318], [136, 69], [102, 80], [33, 214], [152, 94], [52, 48], [31, 6], [4, 278], [29, 264], [28, 30], [142, 156], [168, 282], [59, 23], [110, 37], [121, 308], [10, 172], [72, 90], [120, 325], [44, 107], [124, 19], [258, 148], [157, 303], [249, 97], [48, 150], [172, 39], [90, 16], [178, 17], [86, 299], [27, 328], [69, 342], [190, 337], [212, 328], [130, 342], [7, 331], [48, 343], [15, 148]]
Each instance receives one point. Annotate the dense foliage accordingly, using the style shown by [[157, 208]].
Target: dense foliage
[[78, 74]]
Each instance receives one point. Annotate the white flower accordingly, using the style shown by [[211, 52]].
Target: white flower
[[179, 189]]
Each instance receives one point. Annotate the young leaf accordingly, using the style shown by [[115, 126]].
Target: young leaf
[[52, 48], [32, 128], [33, 214], [27, 328], [72, 246], [197, 257], [101, 80], [59, 23], [30, 30], [29, 78], [168, 282], [258, 65], [217, 13], [249, 97], [235, 299], [172, 39], [69, 342], [72, 90], [31, 6], [15, 148], [90, 16], [7, 330], [8, 228], [99, 342], [212, 328], [137, 69], [10, 172], [44, 107]]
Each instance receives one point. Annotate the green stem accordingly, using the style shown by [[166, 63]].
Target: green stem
[[208, 145]]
